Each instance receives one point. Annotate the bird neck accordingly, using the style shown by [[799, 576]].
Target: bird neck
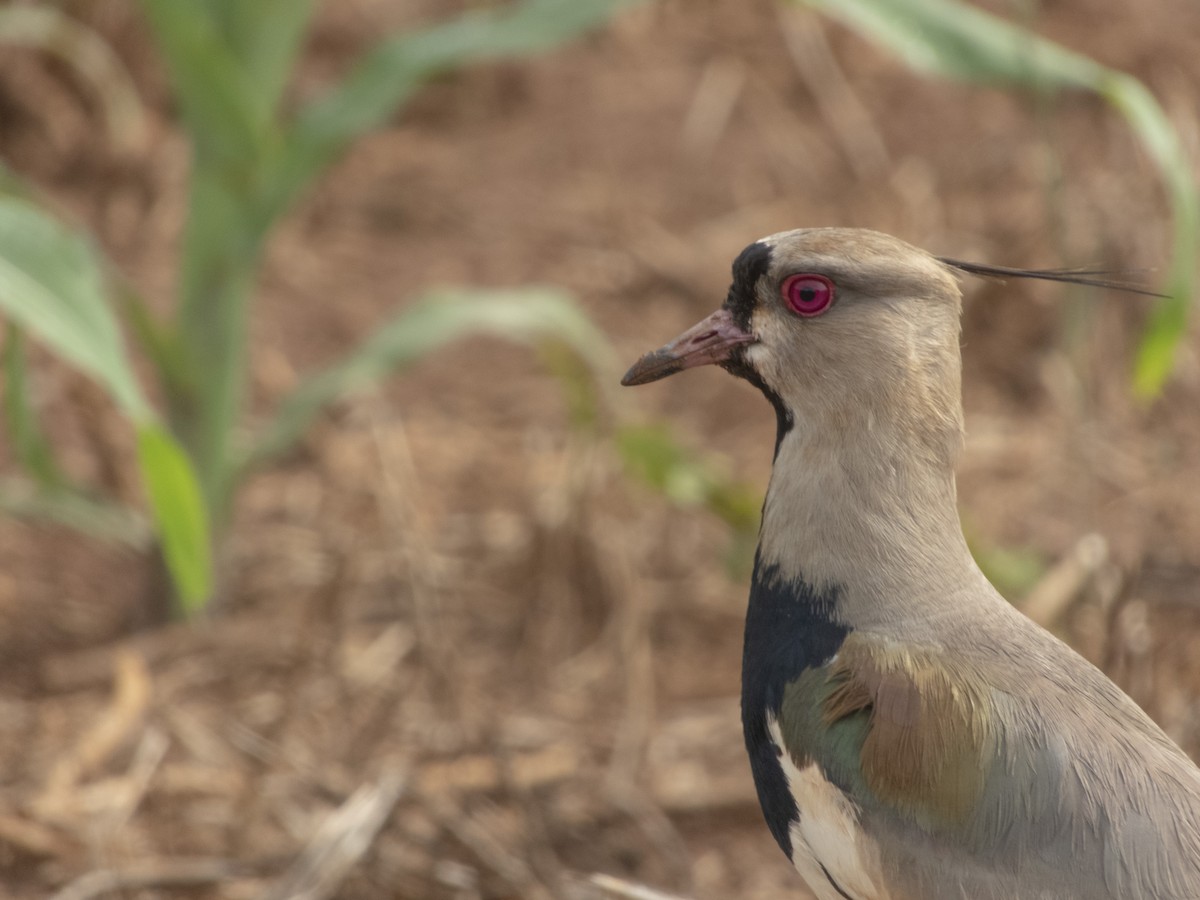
[[870, 520]]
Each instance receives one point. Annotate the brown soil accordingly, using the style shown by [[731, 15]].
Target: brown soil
[[448, 600]]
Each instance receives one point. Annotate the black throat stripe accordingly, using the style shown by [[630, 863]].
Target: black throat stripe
[[751, 265]]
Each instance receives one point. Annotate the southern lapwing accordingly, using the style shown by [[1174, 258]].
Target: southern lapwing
[[912, 736]]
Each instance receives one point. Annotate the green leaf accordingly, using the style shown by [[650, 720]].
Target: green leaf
[[527, 315], [1168, 324], [388, 75], [76, 509], [11, 184], [951, 39], [578, 381], [158, 343], [216, 93], [206, 391], [1013, 570], [652, 454], [32, 448], [265, 37], [179, 514], [51, 283], [1156, 351], [954, 40]]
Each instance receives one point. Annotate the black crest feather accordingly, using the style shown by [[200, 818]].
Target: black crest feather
[[1090, 277]]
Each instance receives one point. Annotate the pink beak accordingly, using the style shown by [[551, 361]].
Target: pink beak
[[709, 342]]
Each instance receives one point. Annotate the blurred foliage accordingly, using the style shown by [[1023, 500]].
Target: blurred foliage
[[52, 285], [24, 431], [954, 40], [544, 316], [653, 454], [689, 480], [1014, 571], [229, 63]]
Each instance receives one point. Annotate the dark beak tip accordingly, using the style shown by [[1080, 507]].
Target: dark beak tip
[[633, 376], [652, 367], [708, 342], [636, 376]]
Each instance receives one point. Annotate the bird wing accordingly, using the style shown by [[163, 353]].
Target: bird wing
[[902, 728], [978, 778]]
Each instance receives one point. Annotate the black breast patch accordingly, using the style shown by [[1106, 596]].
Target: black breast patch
[[790, 627]]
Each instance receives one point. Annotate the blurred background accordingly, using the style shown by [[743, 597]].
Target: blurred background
[[333, 561]]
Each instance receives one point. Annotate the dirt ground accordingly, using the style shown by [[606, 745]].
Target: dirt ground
[[458, 654]]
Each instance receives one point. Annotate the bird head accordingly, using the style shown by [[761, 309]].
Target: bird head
[[842, 329]]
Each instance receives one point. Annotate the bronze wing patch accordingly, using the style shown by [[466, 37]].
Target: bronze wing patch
[[929, 736]]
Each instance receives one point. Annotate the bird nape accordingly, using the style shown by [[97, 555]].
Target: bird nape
[[911, 735]]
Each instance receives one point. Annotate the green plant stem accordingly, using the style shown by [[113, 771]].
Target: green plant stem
[[265, 37], [204, 417], [220, 265], [33, 450]]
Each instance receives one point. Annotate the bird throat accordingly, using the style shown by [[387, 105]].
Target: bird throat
[[863, 519]]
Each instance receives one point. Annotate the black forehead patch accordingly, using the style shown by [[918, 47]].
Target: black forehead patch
[[750, 266]]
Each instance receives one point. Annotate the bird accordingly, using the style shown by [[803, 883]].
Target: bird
[[911, 734]]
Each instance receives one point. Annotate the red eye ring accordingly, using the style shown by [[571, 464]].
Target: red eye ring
[[807, 294]]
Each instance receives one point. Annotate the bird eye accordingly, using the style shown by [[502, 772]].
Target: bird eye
[[807, 295]]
